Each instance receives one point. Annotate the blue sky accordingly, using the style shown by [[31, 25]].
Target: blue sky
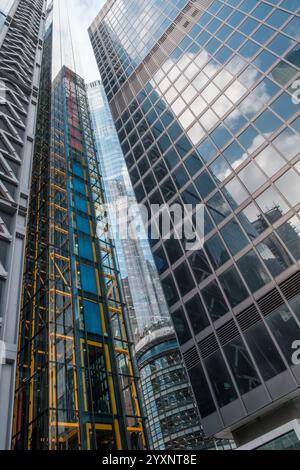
[[81, 14]]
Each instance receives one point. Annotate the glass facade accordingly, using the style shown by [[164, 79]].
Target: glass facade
[[136, 262], [76, 380], [171, 412], [210, 117], [164, 383]]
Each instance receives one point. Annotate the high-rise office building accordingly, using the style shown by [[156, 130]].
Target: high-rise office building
[[203, 95], [173, 421], [76, 379], [21, 29]]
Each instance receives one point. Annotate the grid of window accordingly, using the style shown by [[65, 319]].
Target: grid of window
[[171, 412], [129, 31], [218, 123]]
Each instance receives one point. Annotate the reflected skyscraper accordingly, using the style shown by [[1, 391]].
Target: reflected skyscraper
[[172, 418], [202, 97]]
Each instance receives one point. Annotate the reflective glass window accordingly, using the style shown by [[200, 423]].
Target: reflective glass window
[[180, 177], [252, 221], [197, 315], [202, 392], [270, 161], [252, 177], [218, 208], [267, 123], [220, 379], [253, 271], [264, 351], [214, 301], [274, 255], [241, 365], [295, 306], [207, 150], [235, 193], [200, 265], [220, 169], [290, 235], [204, 184], [289, 186], [285, 330], [193, 164], [284, 106], [181, 326], [234, 237], [233, 286], [287, 143], [170, 291], [174, 250], [235, 154], [216, 251], [184, 279], [272, 204], [160, 260]]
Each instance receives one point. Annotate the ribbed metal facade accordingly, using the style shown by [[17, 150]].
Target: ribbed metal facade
[[21, 34]]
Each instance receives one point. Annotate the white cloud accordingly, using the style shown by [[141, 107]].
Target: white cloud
[[81, 14]]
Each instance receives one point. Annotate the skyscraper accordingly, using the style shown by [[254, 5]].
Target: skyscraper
[[201, 93], [76, 378], [173, 421], [21, 29]]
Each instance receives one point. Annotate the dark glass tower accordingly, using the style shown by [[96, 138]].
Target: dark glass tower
[[76, 381], [202, 98]]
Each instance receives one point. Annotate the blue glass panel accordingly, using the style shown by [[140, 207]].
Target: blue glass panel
[[81, 204], [85, 247], [92, 317], [88, 279]]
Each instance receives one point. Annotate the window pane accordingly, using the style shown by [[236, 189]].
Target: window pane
[[204, 184], [289, 186], [264, 352], [220, 169], [174, 250], [92, 317], [290, 235], [197, 314], [274, 255], [272, 205], [233, 286], [199, 265], [241, 366], [202, 392], [295, 305], [270, 161], [170, 291], [214, 301], [253, 271], [285, 330], [252, 221], [216, 251], [181, 326], [252, 177], [220, 379], [234, 237], [235, 193], [184, 279], [218, 208]]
